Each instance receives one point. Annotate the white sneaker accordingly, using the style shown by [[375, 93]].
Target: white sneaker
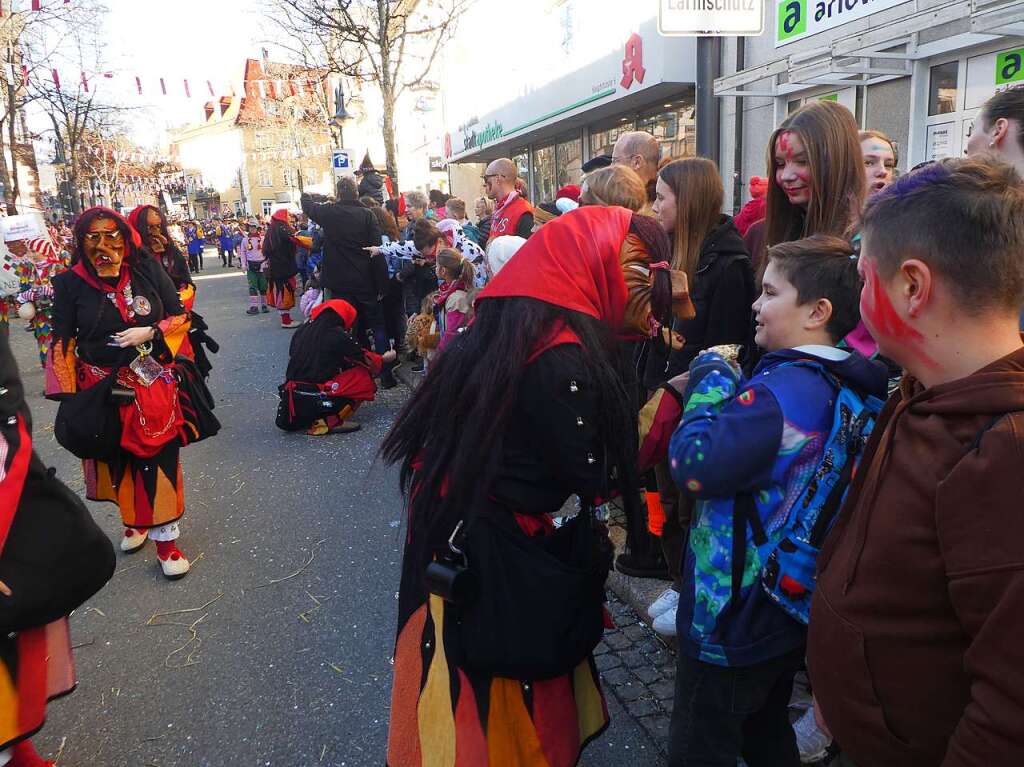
[[811, 741], [665, 624], [667, 601], [133, 540]]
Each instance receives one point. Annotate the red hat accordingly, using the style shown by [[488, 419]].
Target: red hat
[[572, 262], [343, 309], [758, 186], [572, 191], [282, 215]]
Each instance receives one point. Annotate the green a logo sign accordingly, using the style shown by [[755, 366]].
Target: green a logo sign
[[792, 19], [1010, 66]]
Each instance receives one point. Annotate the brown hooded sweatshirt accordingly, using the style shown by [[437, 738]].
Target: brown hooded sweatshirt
[[916, 644]]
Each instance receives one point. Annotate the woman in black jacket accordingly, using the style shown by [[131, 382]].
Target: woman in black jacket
[[707, 246]]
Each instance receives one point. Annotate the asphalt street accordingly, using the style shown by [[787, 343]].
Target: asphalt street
[[276, 649]]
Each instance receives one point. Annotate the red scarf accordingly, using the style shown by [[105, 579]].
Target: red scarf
[[445, 291], [118, 296]]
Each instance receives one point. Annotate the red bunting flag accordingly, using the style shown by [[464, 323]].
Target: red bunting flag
[[85, 83], [56, 79], [163, 87], [188, 93], [138, 84], [291, 87], [37, 5], [24, 72], [210, 86]]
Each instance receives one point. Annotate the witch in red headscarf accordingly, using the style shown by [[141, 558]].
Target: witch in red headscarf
[[329, 374], [118, 323], [279, 248], [526, 408]]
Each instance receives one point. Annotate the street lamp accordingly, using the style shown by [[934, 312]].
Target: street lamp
[[341, 116]]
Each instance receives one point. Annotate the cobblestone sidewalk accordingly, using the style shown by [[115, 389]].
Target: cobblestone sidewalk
[[639, 670]]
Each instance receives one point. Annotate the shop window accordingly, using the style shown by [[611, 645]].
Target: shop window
[[603, 135], [673, 125], [942, 88], [569, 161], [545, 174], [521, 157]]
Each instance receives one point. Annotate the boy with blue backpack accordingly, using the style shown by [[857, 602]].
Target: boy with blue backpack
[[769, 459]]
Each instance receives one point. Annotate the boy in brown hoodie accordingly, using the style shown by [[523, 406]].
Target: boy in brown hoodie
[[916, 646]]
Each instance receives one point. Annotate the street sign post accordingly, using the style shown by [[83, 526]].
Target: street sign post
[[341, 162]]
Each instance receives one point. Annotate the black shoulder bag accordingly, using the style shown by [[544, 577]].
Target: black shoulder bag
[[526, 607]]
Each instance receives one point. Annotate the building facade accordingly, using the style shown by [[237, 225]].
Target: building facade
[[565, 93], [919, 70], [257, 149]]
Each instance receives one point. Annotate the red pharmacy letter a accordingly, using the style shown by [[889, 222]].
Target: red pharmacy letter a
[[633, 63]]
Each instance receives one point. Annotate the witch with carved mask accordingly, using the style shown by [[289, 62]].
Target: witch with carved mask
[[118, 323]]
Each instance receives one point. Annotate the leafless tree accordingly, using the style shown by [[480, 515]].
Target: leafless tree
[[27, 39], [390, 43], [75, 106]]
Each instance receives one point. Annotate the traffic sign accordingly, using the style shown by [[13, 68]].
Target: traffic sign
[[341, 161]]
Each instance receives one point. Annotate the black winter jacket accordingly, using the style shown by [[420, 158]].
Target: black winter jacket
[[349, 228], [722, 294]]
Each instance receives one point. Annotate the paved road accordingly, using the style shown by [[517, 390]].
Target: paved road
[[293, 672]]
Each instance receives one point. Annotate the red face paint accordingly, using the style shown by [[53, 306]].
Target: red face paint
[[884, 322], [792, 173]]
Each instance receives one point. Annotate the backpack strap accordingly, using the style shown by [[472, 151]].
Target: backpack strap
[[744, 513], [834, 500]]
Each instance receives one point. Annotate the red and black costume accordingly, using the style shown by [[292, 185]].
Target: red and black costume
[[533, 396], [145, 479], [329, 374]]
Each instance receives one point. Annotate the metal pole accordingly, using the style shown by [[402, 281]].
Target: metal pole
[[737, 153], [709, 66]]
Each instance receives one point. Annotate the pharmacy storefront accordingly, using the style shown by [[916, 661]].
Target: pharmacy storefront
[[917, 70], [645, 83]]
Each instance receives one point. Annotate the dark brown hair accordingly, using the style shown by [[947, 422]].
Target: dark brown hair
[[1007, 104], [697, 186], [828, 132], [425, 234], [823, 266], [965, 219]]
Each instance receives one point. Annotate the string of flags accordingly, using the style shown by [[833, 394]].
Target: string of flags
[[37, 5], [273, 88], [322, 149]]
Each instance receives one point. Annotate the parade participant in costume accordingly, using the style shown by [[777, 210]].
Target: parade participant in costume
[[194, 235], [329, 374], [251, 259], [279, 251], [536, 388], [40, 262], [151, 224], [116, 312], [36, 593]]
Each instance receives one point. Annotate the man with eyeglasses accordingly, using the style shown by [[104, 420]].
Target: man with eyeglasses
[[512, 213], [641, 152]]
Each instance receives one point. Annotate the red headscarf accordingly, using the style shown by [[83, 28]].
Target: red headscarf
[[88, 274], [343, 309], [572, 262]]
